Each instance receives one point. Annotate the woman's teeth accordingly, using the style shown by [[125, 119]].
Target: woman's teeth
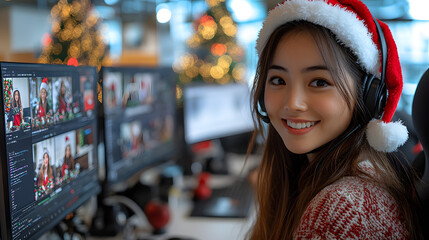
[[300, 125]]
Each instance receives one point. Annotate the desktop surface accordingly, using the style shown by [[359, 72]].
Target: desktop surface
[[231, 201]]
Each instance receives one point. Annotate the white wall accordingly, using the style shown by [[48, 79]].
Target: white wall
[[27, 26]]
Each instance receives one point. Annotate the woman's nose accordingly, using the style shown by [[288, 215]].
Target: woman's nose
[[295, 99]]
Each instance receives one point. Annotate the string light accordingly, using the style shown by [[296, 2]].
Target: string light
[[218, 49], [179, 92]]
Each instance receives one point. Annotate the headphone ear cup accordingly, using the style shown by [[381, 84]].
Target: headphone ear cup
[[261, 104], [374, 95]]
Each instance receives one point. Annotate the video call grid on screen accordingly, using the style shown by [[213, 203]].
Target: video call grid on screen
[[49, 136], [139, 105]]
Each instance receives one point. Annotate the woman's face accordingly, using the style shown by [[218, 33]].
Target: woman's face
[[63, 88], [45, 159], [68, 151], [16, 95], [43, 93], [301, 97]]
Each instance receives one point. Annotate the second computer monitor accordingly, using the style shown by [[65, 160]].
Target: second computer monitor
[[139, 106], [216, 111]]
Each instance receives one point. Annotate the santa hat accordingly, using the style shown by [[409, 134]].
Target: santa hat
[[45, 151], [67, 140], [44, 84], [353, 26]]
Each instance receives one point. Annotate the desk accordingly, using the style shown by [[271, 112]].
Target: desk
[[198, 228], [202, 228]]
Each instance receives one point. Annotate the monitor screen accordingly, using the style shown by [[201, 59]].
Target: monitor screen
[[139, 106], [216, 111], [48, 145]]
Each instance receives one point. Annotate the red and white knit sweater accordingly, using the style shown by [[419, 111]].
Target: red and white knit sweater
[[352, 208]]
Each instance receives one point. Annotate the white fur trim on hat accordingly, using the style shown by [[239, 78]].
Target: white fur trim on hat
[[386, 137], [44, 85], [347, 27]]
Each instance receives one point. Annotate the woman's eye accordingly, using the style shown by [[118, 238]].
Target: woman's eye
[[277, 81], [319, 83]]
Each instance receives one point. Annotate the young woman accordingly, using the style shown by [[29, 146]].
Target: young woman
[[325, 171], [44, 107], [61, 102], [46, 176], [16, 109], [69, 163]]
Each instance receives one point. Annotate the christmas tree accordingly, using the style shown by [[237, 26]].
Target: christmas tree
[[7, 94], [75, 39], [214, 55]]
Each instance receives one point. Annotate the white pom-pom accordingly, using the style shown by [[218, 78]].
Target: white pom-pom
[[386, 137]]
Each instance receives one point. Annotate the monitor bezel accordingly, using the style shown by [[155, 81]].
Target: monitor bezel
[[5, 220]]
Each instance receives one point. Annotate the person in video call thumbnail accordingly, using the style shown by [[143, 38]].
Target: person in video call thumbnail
[[43, 109], [45, 182], [62, 106], [68, 168], [327, 169], [16, 110], [131, 93]]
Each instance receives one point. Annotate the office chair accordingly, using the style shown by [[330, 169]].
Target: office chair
[[420, 116]]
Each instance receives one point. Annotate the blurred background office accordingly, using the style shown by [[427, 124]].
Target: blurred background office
[[181, 45], [179, 33]]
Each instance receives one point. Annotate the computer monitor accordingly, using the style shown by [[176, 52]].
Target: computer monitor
[[216, 111], [217, 120], [47, 141], [139, 105]]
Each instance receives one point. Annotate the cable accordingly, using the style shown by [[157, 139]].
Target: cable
[[111, 200]]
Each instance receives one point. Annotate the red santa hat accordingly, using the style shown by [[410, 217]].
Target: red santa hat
[[354, 26], [44, 84]]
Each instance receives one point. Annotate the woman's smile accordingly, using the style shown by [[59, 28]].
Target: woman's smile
[[298, 126]]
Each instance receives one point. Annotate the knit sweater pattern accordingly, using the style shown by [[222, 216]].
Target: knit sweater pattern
[[352, 208]]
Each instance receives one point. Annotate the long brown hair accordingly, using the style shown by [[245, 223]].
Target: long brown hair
[[44, 102], [287, 182], [61, 95], [43, 169], [69, 160]]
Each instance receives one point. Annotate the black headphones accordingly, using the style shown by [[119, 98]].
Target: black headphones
[[261, 104], [374, 89], [374, 92]]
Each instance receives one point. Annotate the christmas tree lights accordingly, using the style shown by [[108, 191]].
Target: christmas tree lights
[[214, 55]]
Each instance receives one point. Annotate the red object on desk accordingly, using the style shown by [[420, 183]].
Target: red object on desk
[[203, 191], [158, 214]]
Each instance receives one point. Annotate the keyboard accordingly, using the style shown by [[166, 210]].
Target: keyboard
[[233, 201]]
